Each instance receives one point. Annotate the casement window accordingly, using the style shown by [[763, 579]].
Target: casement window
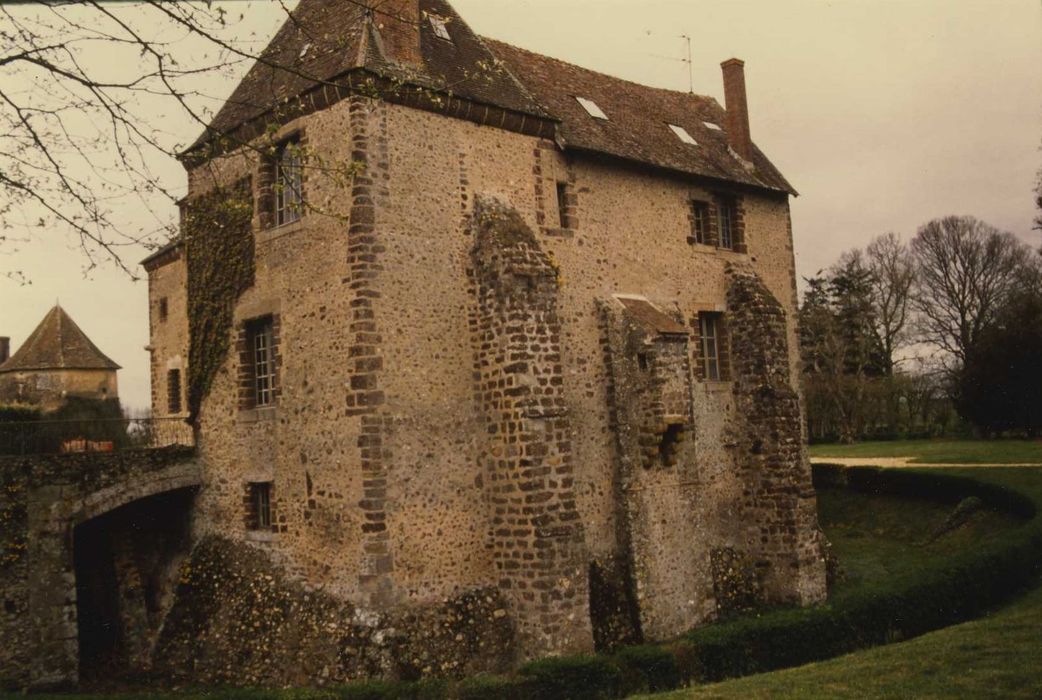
[[258, 506], [727, 221], [173, 391], [261, 362], [712, 362], [289, 196], [700, 223]]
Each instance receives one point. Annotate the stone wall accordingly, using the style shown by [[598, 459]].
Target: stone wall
[[168, 333], [537, 539], [378, 450], [49, 389], [779, 507], [239, 620], [42, 501]]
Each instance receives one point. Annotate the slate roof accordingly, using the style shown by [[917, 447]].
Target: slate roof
[[638, 121], [651, 317], [57, 343], [340, 40]]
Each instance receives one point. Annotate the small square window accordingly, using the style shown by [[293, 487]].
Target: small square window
[[164, 310], [440, 26], [699, 223], [683, 135], [289, 182], [591, 108], [258, 515]]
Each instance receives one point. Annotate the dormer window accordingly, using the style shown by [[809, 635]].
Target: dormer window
[[711, 125], [592, 109], [682, 134], [440, 26]]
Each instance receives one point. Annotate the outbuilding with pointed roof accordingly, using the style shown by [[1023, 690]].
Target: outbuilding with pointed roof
[[57, 361]]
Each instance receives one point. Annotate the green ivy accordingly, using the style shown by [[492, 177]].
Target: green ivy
[[218, 236]]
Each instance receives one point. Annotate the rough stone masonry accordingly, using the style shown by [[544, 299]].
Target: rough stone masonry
[[518, 376]]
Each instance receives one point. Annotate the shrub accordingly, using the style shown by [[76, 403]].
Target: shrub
[[961, 588], [572, 678], [648, 667]]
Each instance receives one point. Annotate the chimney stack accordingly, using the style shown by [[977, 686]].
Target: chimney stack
[[5, 349], [737, 108], [398, 22]]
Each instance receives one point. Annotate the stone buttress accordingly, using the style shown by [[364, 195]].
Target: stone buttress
[[536, 532]]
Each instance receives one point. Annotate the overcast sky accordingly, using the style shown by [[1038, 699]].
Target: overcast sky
[[884, 114]]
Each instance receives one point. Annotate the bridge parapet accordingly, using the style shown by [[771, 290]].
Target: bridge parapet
[[94, 435], [42, 500]]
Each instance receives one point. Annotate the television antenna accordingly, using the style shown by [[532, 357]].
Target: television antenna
[[686, 51]]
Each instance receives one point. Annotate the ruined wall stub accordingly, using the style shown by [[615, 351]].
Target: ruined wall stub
[[537, 537], [779, 503]]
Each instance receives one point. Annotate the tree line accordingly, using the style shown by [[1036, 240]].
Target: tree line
[[925, 338]]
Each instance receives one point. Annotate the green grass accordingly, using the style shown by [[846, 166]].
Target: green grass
[[882, 537], [994, 657], [941, 451]]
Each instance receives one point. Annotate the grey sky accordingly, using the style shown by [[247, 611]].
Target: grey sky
[[882, 113]]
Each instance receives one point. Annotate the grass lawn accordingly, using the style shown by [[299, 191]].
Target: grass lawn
[[941, 451], [998, 656], [995, 657]]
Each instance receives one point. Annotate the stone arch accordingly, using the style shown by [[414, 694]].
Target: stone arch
[[81, 508], [53, 586]]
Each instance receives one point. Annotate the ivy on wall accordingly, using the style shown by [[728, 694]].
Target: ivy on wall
[[218, 235]]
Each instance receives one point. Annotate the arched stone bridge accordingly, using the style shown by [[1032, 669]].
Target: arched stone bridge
[[43, 502]]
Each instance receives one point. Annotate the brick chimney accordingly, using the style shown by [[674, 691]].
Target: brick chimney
[[737, 108], [398, 22], [5, 349]]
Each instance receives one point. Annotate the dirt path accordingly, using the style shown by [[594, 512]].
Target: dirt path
[[904, 462]]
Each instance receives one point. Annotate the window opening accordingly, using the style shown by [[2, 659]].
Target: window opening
[[173, 391], [699, 222], [261, 337], [164, 309], [726, 212], [562, 204], [260, 506], [440, 26], [642, 362], [288, 183], [668, 444], [709, 330], [591, 108], [683, 134]]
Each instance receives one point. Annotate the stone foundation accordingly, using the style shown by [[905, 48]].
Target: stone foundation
[[239, 620]]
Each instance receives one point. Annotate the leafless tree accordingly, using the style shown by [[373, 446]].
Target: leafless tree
[[892, 271], [91, 95], [965, 270]]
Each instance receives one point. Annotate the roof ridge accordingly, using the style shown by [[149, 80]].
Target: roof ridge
[[609, 76]]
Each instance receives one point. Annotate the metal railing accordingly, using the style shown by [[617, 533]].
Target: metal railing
[[80, 436]]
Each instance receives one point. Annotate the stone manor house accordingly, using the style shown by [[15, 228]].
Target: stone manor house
[[490, 356]]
